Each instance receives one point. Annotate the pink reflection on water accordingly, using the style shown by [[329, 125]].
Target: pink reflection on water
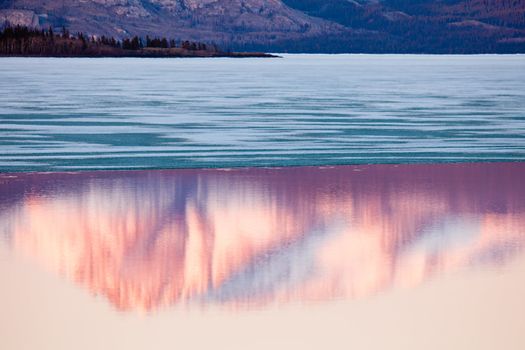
[[151, 239]]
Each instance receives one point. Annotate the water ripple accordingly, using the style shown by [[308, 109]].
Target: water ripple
[[300, 110]]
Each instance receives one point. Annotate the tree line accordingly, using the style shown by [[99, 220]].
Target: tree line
[[22, 40]]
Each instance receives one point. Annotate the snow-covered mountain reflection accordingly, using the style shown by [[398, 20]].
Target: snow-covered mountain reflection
[[248, 237]]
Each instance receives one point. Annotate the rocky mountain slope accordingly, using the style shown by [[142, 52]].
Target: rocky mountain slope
[[223, 21], [440, 26]]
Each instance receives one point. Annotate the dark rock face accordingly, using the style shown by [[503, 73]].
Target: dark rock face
[[437, 26]]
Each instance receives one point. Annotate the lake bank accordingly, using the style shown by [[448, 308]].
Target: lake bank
[[20, 41], [146, 54]]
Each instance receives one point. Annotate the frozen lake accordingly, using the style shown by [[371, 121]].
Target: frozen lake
[[81, 113]]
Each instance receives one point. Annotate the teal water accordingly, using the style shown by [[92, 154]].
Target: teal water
[[115, 113]]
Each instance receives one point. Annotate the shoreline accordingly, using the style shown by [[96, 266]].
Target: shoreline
[[148, 55], [22, 41], [248, 54], [7, 174]]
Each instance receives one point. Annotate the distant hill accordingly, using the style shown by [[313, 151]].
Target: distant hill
[[418, 26]]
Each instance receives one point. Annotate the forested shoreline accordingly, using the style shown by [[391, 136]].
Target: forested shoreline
[[25, 41]]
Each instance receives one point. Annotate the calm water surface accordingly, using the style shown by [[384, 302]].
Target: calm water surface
[[63, 114], [364, 256], [372, 256]]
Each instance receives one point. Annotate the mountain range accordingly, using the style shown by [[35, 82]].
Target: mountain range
[[402, 26]]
